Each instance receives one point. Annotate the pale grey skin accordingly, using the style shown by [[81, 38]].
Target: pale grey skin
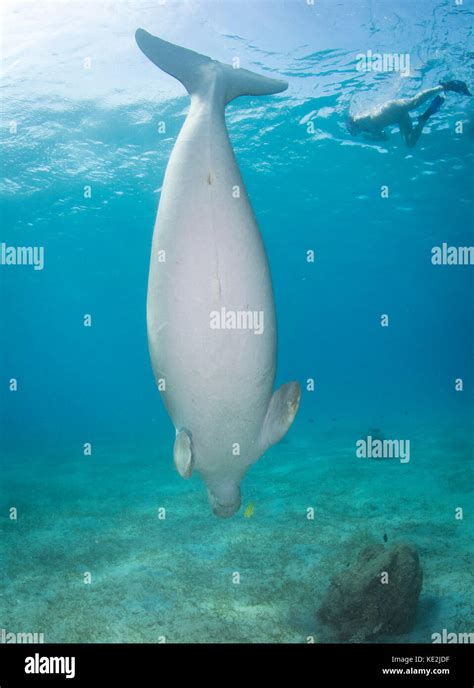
[[219, 383], [395, 112]]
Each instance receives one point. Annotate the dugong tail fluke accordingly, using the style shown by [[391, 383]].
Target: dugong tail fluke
[[210, 308], [196, 71]]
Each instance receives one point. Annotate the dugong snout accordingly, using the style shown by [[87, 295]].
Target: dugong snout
[[224, 499]]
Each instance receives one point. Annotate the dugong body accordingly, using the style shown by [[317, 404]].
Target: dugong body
[[210, 307]]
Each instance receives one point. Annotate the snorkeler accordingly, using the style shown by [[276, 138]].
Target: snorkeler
[[396, 112]]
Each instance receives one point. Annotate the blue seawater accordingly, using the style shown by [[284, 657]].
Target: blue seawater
[[81, 107]]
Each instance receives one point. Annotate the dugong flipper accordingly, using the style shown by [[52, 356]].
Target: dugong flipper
[[210, 309]]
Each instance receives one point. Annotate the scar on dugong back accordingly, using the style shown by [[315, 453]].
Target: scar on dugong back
[[216, 380]]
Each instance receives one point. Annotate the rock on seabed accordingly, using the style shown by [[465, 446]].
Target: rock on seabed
[[359, 605]]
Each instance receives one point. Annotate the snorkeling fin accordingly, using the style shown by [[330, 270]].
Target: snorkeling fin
[[432, 109], [456, 86]]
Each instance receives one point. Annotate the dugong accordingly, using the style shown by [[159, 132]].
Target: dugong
[[210, 308]]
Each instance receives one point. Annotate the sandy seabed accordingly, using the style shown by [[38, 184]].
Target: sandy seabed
[[173, 579]]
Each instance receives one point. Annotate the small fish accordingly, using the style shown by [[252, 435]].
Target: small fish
[[385, 538], [249, 509]]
